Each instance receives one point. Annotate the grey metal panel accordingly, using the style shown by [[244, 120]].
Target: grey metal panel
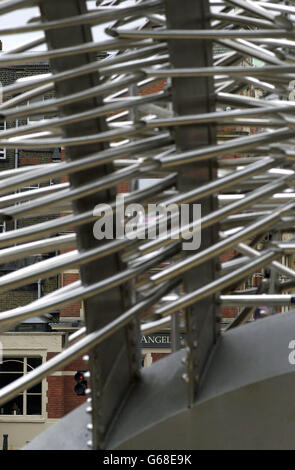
[[69, 433], [240, 420], [223, 418], [113, 364], [246, 398], [191, 95]]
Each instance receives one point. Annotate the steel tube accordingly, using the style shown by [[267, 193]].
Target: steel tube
[[223, 245], [263, 299], [212, 218], [47, 304], [235, 276], [44, 172]]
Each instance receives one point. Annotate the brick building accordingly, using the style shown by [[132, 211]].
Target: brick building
[[38, 339]]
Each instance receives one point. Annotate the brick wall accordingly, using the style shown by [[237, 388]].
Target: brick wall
[[228, 312], [23, 296], [227, 256], [23, 161], [72, 310], [155, 87], [123, 187], [157, 356], [61, 398], [68, 278], [55, 397]]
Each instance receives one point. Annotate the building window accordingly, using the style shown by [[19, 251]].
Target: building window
[[2, 128], [36, 117], [30, 187], [56, 155], [29, 402]]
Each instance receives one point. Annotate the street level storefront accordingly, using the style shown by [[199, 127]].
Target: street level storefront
[[35, 409]]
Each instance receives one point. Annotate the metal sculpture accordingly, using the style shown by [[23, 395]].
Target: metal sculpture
[[112, 132]]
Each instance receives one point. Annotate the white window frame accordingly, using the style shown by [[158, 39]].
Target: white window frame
[[3, 227], [24, 415], [30, 187], [3, 151], [35, 119]]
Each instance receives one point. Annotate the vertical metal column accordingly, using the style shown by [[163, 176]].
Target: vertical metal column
[[113, 365], [274, 278], [192, 96]]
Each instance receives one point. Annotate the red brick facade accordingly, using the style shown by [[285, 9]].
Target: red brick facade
[[153, 88], [68, 278], [123, 187], [157, 356], [23, 161], [63, 179], [55, 397], [61, 398], [72, 310]]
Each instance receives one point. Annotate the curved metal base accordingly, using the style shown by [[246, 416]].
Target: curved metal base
[[246, 400]]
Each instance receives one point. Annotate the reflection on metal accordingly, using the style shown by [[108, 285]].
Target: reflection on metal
[[206, 123]]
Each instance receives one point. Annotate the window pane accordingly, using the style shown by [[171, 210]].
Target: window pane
[[29, 188], [13, 407], [33, 362], [36, 101], [12, 364], [34, 404], [36, 389], [6, 379], [2, 128]]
